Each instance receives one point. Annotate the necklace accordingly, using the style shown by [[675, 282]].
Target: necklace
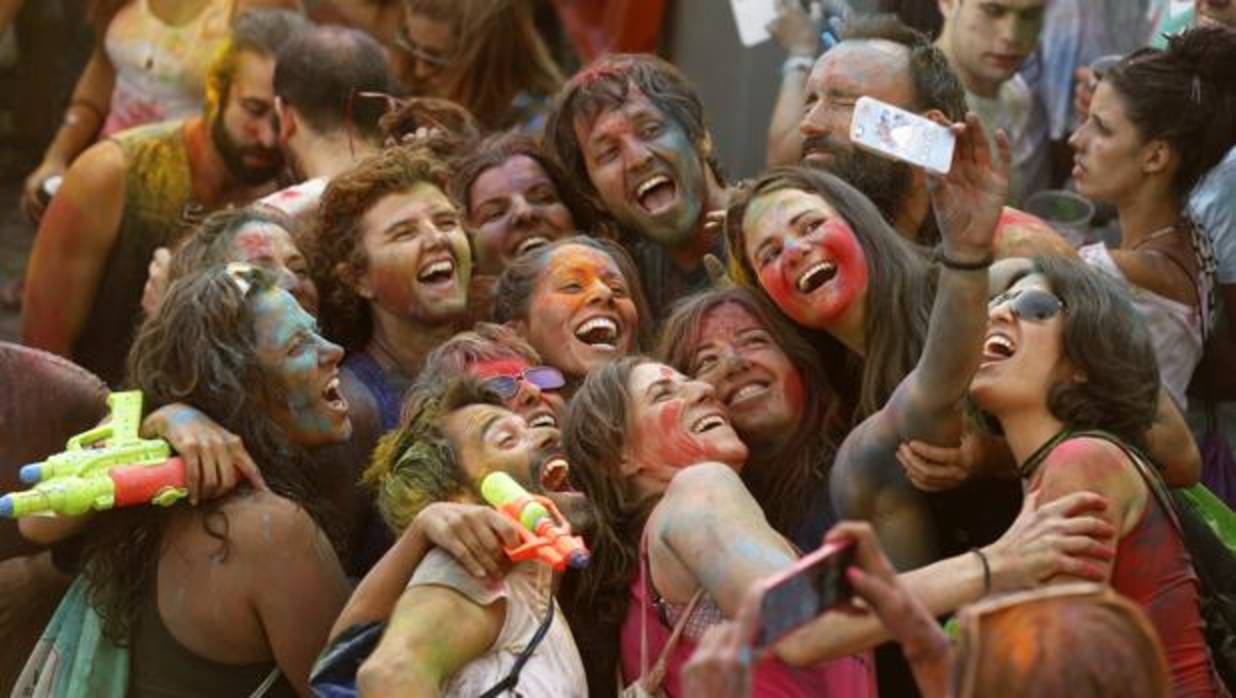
[[1155, 235]]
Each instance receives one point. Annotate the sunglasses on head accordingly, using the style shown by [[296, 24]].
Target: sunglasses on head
[[543, 377], [1033, 304]]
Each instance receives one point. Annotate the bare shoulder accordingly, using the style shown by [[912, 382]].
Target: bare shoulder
[[268, 526], [1088, 463], [709, 479]]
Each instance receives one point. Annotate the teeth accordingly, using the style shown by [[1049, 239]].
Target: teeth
[[1000, 345], [808, 277], [554, 474], [709, 422], [607, 326], [545, 420], [531, 244], [650, 183], [445, 266], [748, 391]]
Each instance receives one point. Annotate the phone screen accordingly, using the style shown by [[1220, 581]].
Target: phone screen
[[804, 595]]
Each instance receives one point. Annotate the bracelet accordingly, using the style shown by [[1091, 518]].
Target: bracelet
[[956, 265], [796, 63], [986, 570]]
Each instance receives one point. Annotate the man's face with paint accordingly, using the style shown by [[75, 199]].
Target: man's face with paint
[[418, 265], [675, 422], [489, 438], [581, 314], [241, 129], [271, 247], [301, 372], [853, 69], [646, 170], [753, 378], [539, 406], [988, 40], [515, 207], [806, 256]]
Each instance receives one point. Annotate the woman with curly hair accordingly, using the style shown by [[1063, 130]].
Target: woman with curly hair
[[211, 599]]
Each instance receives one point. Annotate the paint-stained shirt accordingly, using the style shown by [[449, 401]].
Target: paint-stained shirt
[[157, 213]]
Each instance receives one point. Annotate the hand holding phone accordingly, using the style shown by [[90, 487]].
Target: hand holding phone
[[895, 133], [799, 594]]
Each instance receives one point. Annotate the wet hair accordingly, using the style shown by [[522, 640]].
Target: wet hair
[[1185, 95], [1084, 647], [499, 56], [900, 289], [210, 244], [319, 72], [337, 239], [454, 129], [260, 31], [594, 434], [496, 150], [416, 464], [1106, 339], [201, 349], [513, 296], [936, 85], [783, 479], [607, 84]]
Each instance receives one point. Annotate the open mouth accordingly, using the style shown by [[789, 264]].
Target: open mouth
[[599, 333], [545, 419], [437, 272], [530, 243], [656, 194], [747, 392], [816, 276], [334, 397], [555, 473], [998, 347], [708, 423]]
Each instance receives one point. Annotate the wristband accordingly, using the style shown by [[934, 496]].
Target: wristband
[[796, 63], [950, 263], [986, 570]]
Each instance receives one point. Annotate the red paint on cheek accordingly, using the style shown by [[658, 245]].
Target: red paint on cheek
[[256, 246], [676, 447], [795, 393]]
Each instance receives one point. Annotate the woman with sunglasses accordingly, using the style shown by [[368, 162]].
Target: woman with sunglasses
[[1158, 122], [1068, 372], [577, 301]]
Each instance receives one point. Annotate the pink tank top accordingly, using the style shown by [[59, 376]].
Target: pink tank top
[[848, 677]]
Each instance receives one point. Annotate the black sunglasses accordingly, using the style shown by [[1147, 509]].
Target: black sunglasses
[[543, 377], [1033, 304]]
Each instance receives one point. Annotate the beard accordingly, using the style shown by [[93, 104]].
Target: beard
[[885, 182], [233, 155]]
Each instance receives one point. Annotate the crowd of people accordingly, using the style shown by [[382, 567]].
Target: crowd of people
[[360, 257]]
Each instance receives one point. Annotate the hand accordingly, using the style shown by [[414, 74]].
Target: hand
[[156, 281], [474, 535], [31, 204], [1084, 83], [937, 468], [969, 200], [876, 583], [213, 456], [720, 667], [1059, 538], [794, 30]]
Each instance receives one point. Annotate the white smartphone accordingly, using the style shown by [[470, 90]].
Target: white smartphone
[[901, 135]]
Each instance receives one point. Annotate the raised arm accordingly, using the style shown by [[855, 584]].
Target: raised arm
[[71, 248]]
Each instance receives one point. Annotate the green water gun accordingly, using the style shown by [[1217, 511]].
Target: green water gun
[[105, 467]]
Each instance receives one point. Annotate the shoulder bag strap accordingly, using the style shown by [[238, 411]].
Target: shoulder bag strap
[[651, 679], [511, 680]]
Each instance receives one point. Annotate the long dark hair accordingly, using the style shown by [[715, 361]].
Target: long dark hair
[[900, 289], [200, 348], [1185, 95], [782, 479]]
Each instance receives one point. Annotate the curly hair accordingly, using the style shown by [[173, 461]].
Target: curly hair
[[783, 478], [513, 297], [416, 464], [454, 130], [607, 84], [199, 349], [337, 238], [1106, 339], [900, 292]]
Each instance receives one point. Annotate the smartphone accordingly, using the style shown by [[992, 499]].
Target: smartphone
[[795, 596], [901, 135]]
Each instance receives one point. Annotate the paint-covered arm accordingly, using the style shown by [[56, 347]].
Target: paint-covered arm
[[71, 248], [415, 657], [1170, 443], [296, 586], [473, 535]]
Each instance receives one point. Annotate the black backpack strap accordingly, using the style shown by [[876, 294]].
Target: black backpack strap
[[511, 680]]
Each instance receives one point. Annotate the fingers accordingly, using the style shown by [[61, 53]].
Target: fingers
[[867, 551], [879, 594], [1004, 151], [462, 548], [244, 464], [1069, 505], [223, 461], [193, 469], [931, 474]]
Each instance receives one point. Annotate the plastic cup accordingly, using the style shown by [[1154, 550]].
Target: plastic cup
[[1068, 212]]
